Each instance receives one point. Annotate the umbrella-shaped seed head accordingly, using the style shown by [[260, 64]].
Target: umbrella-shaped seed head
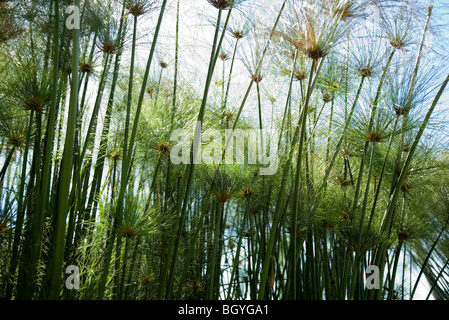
[[163, 148], [86, 67], [300, 75], [137, 8], [109, 47], [404, 235], [34, 104], [146, 281], [195, 286], [375, 136], [365, 72], [398, 44], [228, 116], [178, 175], [17, 140], [3, 229], [327, 97], [256, 78], [115, 155], [248, 192], [128, 232], [400, 111], [315, 52], [223, 56], [223, 185], [237, 34], [150, 90], [222, 4]]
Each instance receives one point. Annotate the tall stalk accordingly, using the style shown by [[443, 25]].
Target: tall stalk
[[188, 176], [62, 203], [380, 257], [370, 126], [126, 165], [297, 179]]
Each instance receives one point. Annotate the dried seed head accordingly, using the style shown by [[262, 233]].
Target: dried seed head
[[327, 97], [342, 182], [298, 231], [3, 229], [66, 68], [129, 232], [404, 235], [311, 110], [146, 281], [398, 44], [344, 216], [400, 111], [222, 4], [150, 90], [136, 8], [346, 153], [299, 75], [256, 78], [115, 155], [178, 175], [228, 116], [34, 104], [195, 286], [163, 64], [223, 56], [109, 47], [375, 136], [163, 148], [405, 148], [237, 34], [248, 192], [406, 187], [315, 53], [365, 72], [86, 67], [255, 210], [17, 140]]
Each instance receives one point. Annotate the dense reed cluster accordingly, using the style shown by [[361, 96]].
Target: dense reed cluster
[[354, 89]]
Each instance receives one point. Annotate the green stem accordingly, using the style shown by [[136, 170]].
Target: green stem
[[65, 173], [387, 221], [126, 165], [297, 178], [426, 260], [370, 126]]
